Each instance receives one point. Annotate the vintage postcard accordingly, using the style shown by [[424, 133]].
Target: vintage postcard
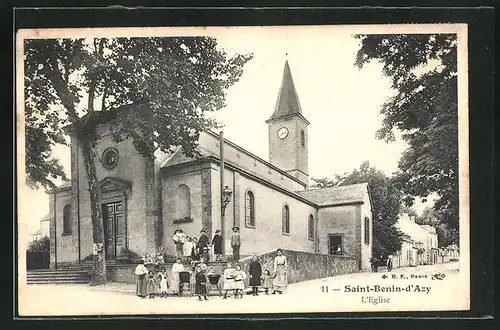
[[233, 170]]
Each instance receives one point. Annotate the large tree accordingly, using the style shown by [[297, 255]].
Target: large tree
[[170, 84], [423, 73], [386, 202]]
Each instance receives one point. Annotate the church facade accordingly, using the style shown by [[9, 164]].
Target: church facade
[[144, 202]]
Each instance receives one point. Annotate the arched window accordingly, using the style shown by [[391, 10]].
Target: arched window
[[286, 220], [302, 139], [250, 209], [67, 219], [183, 202], [310, 228]]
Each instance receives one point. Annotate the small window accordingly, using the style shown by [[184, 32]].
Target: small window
[[302, 139], [310, 228], [67, 220], [286, 220], [367, 230], [250, 209]]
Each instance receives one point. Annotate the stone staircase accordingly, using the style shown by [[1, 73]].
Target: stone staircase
[[58, 276]]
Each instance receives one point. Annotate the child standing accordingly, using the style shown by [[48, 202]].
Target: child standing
[[163, 282], [195, 255], [179, 240], [266, 281], [228, 279], [188, 249], [239, 279], [201, 280], [152, 284]]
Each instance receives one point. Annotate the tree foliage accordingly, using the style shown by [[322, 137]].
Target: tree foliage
[[171, 82], [386, 202], [161, 87], [39, 245], [423, 72]]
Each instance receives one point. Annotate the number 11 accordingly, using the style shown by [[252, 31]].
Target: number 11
[[324, 288]]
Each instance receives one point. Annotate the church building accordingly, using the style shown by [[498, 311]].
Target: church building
[[145, 201]]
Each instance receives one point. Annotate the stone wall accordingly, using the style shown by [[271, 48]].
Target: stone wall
[[304, 266]]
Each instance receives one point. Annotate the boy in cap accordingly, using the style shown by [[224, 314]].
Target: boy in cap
[[236, 243], [217, 244]]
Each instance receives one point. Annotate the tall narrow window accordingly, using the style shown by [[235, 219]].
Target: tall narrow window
[[250, 209], [303, 139], [310, 228], [67, 220], [183, 202], [286, 220], [367, 230]]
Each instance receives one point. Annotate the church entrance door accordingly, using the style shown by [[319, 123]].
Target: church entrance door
[[112, 214]]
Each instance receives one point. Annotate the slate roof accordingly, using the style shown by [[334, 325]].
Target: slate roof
[[287, 103], [335, 195]]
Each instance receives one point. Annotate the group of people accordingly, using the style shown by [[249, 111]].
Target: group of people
[[193, 248], [152, 283]]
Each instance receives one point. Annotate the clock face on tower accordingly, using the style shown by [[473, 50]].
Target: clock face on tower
[[283, 133]]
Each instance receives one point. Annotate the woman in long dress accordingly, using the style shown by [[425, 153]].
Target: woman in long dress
[[141, 285], [177, 267], [255, 271], [280, 269]]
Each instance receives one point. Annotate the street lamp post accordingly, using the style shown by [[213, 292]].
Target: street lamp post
[[226, 198], [225, 191]]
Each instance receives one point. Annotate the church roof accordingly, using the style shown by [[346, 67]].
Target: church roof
[[287, 103], [336, 195]]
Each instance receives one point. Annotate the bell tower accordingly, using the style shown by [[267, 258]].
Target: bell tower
[[288, 138]]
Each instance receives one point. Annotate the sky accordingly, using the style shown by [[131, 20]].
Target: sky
[[341, 102]]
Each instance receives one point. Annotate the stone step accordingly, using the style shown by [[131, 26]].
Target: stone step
[[58, 281], [58, 275], [58, 271]]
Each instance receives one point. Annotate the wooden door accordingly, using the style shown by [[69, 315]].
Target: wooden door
[[114, 229]]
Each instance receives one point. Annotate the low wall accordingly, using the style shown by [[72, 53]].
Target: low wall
[[303, 266]]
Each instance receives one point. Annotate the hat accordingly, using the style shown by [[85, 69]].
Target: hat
[[217, 231], [202, 231], [235, 227]]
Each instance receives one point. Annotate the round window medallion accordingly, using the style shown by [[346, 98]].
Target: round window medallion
[[110, 158]]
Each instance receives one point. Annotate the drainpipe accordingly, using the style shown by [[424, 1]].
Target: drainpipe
[[78, 202], [55, 230]]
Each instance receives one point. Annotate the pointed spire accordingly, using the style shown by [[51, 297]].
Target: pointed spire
[[288, 101]]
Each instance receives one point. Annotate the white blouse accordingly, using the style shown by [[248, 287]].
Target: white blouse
[[280, 260], [141, 270]]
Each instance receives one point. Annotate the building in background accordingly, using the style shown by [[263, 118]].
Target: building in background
[[419, 243], [43, 228]]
